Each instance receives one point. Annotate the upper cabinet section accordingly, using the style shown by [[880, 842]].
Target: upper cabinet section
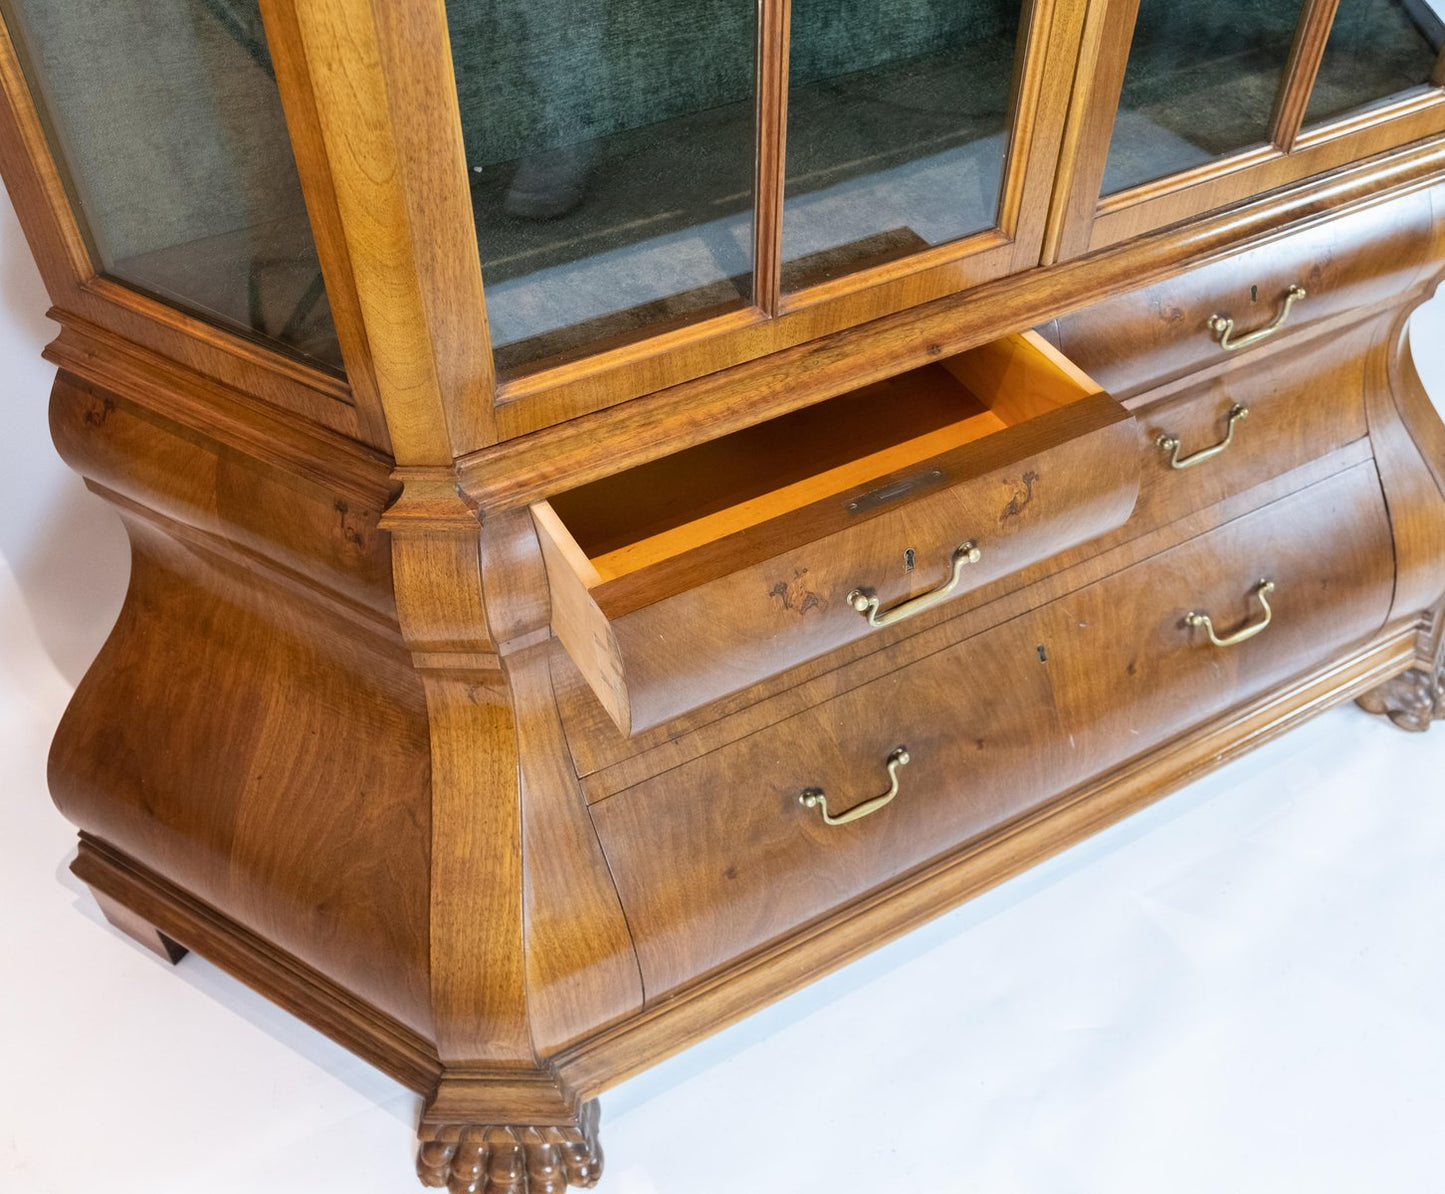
[[165, 120], [1187, 106], [531, 210]]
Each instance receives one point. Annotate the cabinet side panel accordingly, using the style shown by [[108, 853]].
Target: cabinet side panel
[[250, 731]]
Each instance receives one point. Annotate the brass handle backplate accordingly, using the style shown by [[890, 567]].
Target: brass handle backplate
[[867, 603], [1170, 443], [1223, 327], [814, 798], [1262, 592]]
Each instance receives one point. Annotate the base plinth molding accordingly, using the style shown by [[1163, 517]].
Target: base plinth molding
[[512, 1159], [1411, 700]]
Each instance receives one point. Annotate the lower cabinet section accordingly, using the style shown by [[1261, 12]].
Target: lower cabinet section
[[746, 844]]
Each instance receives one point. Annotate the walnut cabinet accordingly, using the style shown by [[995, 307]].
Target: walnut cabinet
[[634, 503]]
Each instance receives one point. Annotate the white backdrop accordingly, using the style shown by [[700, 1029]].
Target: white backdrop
[[1239, 989]]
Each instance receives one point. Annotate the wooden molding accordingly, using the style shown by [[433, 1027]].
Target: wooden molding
[[542, 463], [184, 397], [280, 977]]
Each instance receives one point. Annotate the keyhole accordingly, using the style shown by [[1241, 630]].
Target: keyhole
[[1254, 294], [909, 559]]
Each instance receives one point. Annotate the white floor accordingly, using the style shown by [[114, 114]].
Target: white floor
[[1241, 989]]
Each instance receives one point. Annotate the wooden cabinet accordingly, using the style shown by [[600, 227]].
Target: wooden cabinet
[[635, 504]]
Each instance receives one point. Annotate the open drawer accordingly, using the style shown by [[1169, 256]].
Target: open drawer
[[696, 575]]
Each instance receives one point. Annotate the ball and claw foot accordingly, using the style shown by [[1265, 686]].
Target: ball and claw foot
[[508, 1159], [1412, 700]]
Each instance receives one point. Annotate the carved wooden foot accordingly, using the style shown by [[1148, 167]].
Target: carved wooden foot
[[138, 929], [1412, 700], [512, 1159]]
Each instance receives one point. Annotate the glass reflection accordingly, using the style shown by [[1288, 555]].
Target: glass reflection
[[1377, 50], [166, 120], [898, 118], [611, 150], [1201, 84]]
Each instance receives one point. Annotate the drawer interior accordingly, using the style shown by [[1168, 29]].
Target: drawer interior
[[638, 518]]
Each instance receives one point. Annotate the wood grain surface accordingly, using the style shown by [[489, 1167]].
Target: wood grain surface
[[467, 718], [994, 725]]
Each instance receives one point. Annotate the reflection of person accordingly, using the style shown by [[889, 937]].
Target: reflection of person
[[549, 184], [561, 53], [243, 22]]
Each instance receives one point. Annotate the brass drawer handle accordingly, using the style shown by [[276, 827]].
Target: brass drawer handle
[[1223, 327], [867, 604], [1170, 443], [1262, 591], [814, 798]]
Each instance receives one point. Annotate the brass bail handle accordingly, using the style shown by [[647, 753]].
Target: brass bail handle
[[814, 798], [1223, 327], [1170, 443], [867, 603], [1261, 592]]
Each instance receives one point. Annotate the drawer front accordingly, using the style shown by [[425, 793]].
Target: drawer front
[[1255, 421], [731, 632], [720, 856], [1148, 336]]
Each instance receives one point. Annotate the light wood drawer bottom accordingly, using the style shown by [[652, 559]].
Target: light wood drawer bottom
[[718, 857]]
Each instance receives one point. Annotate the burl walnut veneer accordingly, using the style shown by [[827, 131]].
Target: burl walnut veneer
[[882, 454]]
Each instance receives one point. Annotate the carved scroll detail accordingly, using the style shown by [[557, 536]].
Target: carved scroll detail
[[1412, 700], [511, 1159]]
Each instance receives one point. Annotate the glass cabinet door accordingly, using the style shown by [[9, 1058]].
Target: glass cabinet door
[[165, 120], [1217, 102], [1201, 84], [1377, 51]]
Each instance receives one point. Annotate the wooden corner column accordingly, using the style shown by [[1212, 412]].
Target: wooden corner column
[[526, 944], [528, 948]]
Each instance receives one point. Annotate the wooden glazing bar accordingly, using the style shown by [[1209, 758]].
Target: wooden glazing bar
[[774, 19], [1103, 59], [1299, 77]]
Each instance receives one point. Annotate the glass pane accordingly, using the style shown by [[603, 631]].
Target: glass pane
[[611, 148], [166, 119], [898, 118], [1376, 50], [1201, 84]]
